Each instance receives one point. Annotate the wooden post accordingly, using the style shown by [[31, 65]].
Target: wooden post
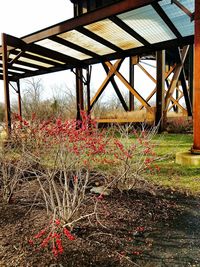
[[6, 85], [19, 99], [160, 78], [196, 141]]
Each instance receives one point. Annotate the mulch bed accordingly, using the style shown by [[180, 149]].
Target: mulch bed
[[121, 238]]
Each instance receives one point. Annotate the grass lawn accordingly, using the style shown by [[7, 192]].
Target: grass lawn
[[175, 176]]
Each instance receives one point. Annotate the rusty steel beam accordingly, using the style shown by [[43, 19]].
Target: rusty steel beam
[[116, 88], [147, 73], [183, 8], [6, 85], [185, 92], [129, 87], [132, 81], [160, 85], [106, 81], [79, 93], [86, 19], [176, 75], [88, 78], [196, 127], [19, 98], [191, 73]]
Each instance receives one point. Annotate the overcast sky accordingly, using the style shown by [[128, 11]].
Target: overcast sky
[[23, 17]]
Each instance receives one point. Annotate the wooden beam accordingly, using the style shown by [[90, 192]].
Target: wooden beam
[[6, 85]]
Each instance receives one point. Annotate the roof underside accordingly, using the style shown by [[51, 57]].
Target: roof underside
[[119, 30]]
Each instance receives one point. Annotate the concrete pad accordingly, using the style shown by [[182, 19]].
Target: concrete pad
[[187, 158]]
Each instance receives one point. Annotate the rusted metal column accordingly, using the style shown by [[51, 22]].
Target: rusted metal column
[[196, 141], [160, 85], [88, 74], [191, 73], [79, 93], [131, 75], [19, 99], [6, 85]]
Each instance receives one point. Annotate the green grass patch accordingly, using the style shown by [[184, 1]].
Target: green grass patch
[[175, 176]]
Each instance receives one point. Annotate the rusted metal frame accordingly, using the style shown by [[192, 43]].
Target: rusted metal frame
[[116, 88], [14, 74], [144, 49], [183, 8], [196, 117], [185, 92], [6, 85], [14, 68], [88, 78], [79, 93], [36, 58], [191, 73], [86, 19], [129, 87], [105, 82], [146, 72], [160, 85], [127, 29], [132, 83], [30, 65], [175, 78], [43, 51], [19, 98], [98, 39], [155, 89], [18, 55], [74, 46], [166, 19], [175, 102]]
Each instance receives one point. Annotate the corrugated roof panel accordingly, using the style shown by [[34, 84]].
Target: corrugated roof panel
[[28, 60], [114, 34], [180, 19], [86, 42], [146, 22], [24, 67], [56, 61], [63, 49]]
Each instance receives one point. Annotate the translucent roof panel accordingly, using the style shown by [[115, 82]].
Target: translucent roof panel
[[24, 67], [86, 42], [146, 22], [180, 19], [62, 49], [27, 60], [114, 34], [56, 61]]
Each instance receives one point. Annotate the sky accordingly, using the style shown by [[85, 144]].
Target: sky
[[23, 17]]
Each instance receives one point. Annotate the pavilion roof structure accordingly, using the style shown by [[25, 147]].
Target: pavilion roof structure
[[122, 29]]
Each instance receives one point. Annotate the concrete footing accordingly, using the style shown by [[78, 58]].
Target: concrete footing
[[187, 158]]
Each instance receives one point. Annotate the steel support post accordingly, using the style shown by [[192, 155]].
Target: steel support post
[[160, 78], [88, 74], [131, 77], [196, 141], [79, 92], [6, 85], [191, 73], [19, 99]]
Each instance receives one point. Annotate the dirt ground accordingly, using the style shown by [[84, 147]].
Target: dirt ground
[[137, 229]]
